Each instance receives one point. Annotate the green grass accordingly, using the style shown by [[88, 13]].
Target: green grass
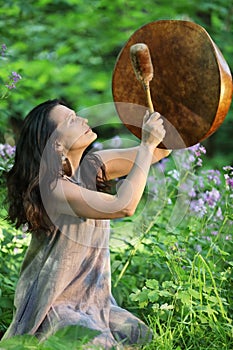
[[172, 263]]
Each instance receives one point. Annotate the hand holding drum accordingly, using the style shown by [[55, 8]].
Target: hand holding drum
[[153, 131]]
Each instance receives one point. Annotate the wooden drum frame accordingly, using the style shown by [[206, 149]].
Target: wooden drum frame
[[191, 87]]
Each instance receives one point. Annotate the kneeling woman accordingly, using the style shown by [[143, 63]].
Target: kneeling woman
[[63, 197]]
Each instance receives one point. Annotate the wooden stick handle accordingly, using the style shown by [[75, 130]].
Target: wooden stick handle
[[148, 97], [143, 68]]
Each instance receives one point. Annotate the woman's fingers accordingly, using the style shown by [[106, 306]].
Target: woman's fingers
[[152, 116], [153, 120], [153, 130]]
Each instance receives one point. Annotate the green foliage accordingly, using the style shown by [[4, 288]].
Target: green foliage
[[172, 267], [13, 245], [68, 49], [178, 274], [72, 337]]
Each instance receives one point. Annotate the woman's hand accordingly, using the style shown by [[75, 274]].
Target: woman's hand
[[72, 199], [153, 131]]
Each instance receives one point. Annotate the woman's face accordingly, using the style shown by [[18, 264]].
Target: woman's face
[[73, 131]]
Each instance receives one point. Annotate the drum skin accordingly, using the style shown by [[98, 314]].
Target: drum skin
[[191, 87]]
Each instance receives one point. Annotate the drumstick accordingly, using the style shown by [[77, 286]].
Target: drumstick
[[143, 68]]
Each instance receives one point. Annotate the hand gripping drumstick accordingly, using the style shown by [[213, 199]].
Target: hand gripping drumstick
[[143, 68]]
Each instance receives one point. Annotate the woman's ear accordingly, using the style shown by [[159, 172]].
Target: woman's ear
[[58, 147]]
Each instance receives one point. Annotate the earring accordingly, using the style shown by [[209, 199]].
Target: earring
[[66, 166]]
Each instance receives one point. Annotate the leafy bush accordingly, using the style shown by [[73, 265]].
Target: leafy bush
[[68, 49], [13, 245], [71, 337], [172, 263]]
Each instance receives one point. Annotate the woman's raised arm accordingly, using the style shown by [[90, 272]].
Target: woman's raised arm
[[76, 200], [119, 162]]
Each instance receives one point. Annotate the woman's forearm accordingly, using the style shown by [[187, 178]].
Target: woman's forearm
[[131, 189]]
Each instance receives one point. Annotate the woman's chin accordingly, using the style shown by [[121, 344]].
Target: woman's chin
[[94, 135]]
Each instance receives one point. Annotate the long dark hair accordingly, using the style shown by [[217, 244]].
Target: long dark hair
[[25, 204]]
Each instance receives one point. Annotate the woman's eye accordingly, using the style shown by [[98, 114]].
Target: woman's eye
[[72, 120]]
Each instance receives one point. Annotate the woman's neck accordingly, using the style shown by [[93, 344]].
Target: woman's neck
[[74, 157]]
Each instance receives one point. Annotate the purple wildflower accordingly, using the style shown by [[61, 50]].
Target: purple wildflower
[[191, 158], [98, 145], [229, 183], [198, 150], [198, 248], [214, 175], [161, 165], [228, 176], [14, 78], [3, 50], [199, 162], [192, 193], [207, 238], [187, 187], [10, 86], [201, 182], [219, 213], [214, 233], [174, 173], [24, 229], [228, 168], [116, 141], [211, 197], [198, 207], [7, 151]]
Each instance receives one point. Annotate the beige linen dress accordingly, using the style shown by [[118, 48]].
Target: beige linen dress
[[66, 280]]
